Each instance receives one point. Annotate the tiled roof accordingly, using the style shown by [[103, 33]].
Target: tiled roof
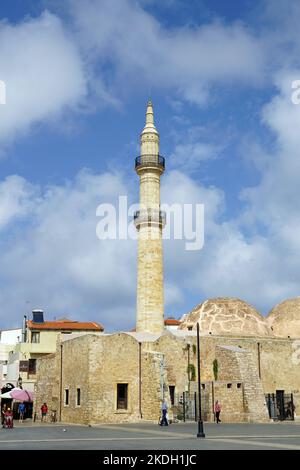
[[65, 325], [172, 321], [167, 321]]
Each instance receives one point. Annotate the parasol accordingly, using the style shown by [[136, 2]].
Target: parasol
[[18, 394]]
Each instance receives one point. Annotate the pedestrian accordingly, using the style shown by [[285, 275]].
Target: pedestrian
[[8, 416], [164, 409], [3, 414], [290, 410], [218, 411], [44, 411], [21, 411]]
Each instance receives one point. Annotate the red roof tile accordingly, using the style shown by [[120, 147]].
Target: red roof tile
[[172, 321], [65, 325], [167, 321]]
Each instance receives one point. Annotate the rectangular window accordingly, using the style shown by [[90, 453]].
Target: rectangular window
[[35, 337], [23, 366], [122, 396], [172, 394], [32, 366], [78, 396], [66, 397]]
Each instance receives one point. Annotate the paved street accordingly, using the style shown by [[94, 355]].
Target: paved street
[[151, 437]]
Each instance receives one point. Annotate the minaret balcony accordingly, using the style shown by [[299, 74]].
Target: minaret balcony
[[150, 161], [149, 217]]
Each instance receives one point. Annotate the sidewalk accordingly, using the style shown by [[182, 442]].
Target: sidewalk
[[29, 423]]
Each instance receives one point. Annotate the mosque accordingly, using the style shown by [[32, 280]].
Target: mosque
[[249, 363]]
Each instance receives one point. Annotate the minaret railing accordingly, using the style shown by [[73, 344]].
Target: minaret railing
[[150, 161], [149, 217]]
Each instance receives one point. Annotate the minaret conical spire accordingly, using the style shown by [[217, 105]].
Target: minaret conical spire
[[150, 126], [149, 113]]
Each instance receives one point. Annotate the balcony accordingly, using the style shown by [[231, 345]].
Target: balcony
[[150, 161], [149, 217]]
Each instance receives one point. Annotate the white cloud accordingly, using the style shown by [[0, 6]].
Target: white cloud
[[52, 256], [276, 201], [142, 52], [192, 149], [43, 72], [15, 199], [55, 260], [110, 48], [50, 66], [263, 269], [254, 256]]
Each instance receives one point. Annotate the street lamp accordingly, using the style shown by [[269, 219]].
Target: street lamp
[[188, 369], [200, 432], [19, 382]]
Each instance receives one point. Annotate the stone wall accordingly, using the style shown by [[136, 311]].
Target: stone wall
[[238, 364], [152, 392], [230, 395], [46, 374], [176, 359], [278, 368], [76, 375], [96, 364], [115, 360]]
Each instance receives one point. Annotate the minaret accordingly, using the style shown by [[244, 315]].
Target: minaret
[[149, 221]]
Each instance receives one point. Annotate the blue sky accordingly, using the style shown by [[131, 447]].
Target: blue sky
[[78, 76]]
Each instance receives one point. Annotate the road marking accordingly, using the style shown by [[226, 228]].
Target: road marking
[[241, 436], [171, 434], [177, 437], [159, 432], [261, 444], [92, 439], [174, 433], [165, 434]]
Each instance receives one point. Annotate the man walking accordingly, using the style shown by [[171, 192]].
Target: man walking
[[164, 409], [21, 411]]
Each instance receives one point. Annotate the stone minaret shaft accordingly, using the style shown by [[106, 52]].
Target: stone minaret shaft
[[149, 221]]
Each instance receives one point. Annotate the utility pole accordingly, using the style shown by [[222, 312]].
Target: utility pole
[[200, 432]]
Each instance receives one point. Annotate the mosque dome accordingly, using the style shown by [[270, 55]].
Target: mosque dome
[[226, 316], [284, 318]]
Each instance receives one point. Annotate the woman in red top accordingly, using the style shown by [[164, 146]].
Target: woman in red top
[[8, 415], [44, 411], [217, 411]]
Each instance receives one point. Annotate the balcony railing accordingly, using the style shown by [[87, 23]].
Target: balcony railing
[[149, 217], [144, 161]]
